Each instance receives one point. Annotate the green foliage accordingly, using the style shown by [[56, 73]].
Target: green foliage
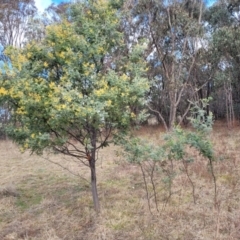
[[200, 120], [137, 150], [175, 142], [70, 86], [218, 16]]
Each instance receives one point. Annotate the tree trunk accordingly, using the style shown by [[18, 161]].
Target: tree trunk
[[208, 95], [229, 105], [92, 164], [172, 117], [94, 185]]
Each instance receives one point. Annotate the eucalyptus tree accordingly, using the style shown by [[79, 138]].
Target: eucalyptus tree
[[14, 18], [176, 46]]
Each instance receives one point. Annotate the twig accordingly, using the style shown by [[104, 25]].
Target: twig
[[146, 188], [58, 164], [214, 181], [153, 184], [161, 117], [190, 180], [218, 223]]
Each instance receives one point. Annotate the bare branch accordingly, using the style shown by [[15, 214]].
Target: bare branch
[[161, 117], [58, 164]]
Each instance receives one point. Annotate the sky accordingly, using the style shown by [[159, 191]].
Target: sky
[[210, 2], [43, 4]]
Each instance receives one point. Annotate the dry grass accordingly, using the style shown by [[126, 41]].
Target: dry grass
[[39, 200]]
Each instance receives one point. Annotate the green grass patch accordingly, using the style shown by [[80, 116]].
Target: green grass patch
[[27, 199]]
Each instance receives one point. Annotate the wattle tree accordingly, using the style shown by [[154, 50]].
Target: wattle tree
[[73, 90]]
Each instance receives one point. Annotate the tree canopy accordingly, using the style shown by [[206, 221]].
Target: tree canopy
[[74, 87]]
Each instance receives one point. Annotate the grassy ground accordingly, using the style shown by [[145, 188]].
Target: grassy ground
[[40, 200]]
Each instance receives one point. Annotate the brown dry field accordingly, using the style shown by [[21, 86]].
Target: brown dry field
[[40, 200]]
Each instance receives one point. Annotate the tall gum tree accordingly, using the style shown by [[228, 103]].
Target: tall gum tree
[[175, 39], [69, 93], [14, 19]]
